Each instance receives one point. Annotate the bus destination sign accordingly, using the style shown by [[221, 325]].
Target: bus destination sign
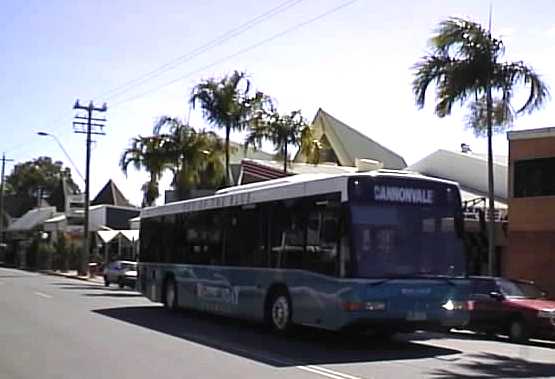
[[408, 195]]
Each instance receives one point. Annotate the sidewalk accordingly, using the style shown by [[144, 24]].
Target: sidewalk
[[74, 275]]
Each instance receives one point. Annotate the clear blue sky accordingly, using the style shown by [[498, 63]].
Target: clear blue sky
[[355, 63]]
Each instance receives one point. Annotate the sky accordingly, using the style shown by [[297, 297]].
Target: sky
[[352, 58]]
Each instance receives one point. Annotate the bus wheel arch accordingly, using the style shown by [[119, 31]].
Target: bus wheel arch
[[278, 308], [169, 292]]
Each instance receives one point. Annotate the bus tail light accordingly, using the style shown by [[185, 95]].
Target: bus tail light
[[364, 306], [353, 307]]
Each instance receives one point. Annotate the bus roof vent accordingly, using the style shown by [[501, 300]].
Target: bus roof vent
[[364, 164]]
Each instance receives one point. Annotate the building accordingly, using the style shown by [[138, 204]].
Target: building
[[344, 145], [109, 213], [343, 149], [470, 171], [531, 234]]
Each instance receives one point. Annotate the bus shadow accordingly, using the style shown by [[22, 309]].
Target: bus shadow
[[305, 346]]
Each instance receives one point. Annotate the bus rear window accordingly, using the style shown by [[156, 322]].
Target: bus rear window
[[405, 240]]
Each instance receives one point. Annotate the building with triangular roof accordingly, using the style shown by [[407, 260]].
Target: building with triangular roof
[[110, 194], [343, 149], [343, 145]]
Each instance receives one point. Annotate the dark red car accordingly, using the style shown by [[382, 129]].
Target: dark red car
[[510, 307]]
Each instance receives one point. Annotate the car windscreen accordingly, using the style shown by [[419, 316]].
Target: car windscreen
[[519, 290], [406, 240]]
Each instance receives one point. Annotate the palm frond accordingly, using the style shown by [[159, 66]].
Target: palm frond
[[502, 116], [511, 74]]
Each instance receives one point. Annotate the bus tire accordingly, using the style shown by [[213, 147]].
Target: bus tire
[[170, 294], [279, 311]]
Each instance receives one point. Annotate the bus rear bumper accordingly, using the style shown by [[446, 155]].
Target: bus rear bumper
[[399, 324]]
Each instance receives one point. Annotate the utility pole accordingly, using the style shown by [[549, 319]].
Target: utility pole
[[88, 125], [4, 160]]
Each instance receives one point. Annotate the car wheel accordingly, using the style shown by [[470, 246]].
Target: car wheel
[[106, 281], [279, 312], [518, 331], [170, 294], [121, 284]]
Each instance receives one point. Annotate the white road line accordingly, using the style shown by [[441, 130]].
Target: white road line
[[43, 295], [332, 372], [326, 372], [281, 360]]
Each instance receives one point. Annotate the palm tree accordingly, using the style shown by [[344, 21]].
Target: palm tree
[[282, 131], [465, 66], [145, 152], [226, 103], [195, 158]]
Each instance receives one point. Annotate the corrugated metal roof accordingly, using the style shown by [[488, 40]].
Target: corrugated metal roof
[[238, 153], [468, 169], [32, 219]]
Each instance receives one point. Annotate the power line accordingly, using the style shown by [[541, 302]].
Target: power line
[[226, 36], [240, 52]]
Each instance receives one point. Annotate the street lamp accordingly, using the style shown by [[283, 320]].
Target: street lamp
[[65, 152]]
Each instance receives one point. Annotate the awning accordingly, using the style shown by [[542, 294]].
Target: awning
[[131, 235], [108, 235]]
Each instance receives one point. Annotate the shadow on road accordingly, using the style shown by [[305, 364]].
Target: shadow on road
[[466, 335], [489, 365], [81, 287], [113, 294], [305, 347]]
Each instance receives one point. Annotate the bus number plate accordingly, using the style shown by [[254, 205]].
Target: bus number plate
[[416, 316]]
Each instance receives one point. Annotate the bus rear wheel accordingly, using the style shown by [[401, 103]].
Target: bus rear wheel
[[279, 312], [170, 294]]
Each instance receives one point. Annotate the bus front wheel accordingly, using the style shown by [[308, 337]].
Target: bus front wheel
[[170, 294], [279, 312]]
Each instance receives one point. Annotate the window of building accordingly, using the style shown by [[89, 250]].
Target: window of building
[[534, 177]]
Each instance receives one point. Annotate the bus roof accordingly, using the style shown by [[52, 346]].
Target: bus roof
[[289, 187]]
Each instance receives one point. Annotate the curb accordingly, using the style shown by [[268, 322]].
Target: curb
[[69, 276]]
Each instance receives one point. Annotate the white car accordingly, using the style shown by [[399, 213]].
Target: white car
[[124, 273]]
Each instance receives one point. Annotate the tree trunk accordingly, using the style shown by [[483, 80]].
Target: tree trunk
[[227, 131], [285, 158], [491, 205]]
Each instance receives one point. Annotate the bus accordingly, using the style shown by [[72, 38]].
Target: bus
[[381, 250]]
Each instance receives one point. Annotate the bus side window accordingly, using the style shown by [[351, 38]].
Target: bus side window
[[213, 237], [322, 242]]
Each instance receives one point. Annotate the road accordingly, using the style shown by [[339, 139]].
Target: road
[[53, 327]]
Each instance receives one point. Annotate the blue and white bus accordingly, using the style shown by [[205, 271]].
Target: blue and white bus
[[381, 250]]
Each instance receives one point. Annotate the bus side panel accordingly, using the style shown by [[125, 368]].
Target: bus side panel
[[315, 299]]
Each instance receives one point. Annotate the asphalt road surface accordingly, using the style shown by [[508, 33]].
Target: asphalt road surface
[[53, 327]]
